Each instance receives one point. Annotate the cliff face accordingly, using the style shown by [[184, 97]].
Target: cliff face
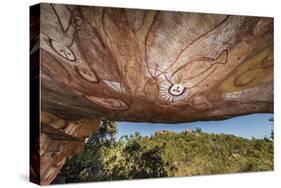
[[143, 65]]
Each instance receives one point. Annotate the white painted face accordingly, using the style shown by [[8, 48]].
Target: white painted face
[[173, 92], [176, 89], [63, 51]]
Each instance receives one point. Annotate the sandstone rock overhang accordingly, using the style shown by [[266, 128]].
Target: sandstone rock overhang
[[153, 66], [91, 63]]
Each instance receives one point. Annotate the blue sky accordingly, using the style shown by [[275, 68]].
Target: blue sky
[[248, 126]]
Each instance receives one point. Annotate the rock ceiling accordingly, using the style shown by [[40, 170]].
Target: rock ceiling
[[155, 66]]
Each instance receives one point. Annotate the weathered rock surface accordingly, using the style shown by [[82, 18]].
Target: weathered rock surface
[[154, 66], [55, 148], [82, 128], [59, 141], [52, 120]]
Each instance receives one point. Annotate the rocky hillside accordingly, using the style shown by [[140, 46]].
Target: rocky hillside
[[166, 154]]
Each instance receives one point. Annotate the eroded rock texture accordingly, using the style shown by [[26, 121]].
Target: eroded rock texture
[[155, 66], [60, 140], [55, 148]]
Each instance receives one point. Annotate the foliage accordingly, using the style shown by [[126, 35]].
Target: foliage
[[89, 165], [106, 159], [165, 154]]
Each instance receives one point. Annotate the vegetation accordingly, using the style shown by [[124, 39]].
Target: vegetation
[[165, 154]]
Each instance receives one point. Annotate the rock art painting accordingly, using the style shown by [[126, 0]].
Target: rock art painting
[[250, 94], [100, 60], [114, 85], [86, 73], [173, 92], [185, 78], [62, 50], [65, 22], [111, 103]]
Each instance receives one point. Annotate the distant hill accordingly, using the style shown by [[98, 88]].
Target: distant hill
[[197, 153]]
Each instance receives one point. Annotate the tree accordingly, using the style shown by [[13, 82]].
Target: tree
[[143, 162], [106, 159], [89, 165], [198, 130], [105, 135], [272, 131], [272, 134]]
